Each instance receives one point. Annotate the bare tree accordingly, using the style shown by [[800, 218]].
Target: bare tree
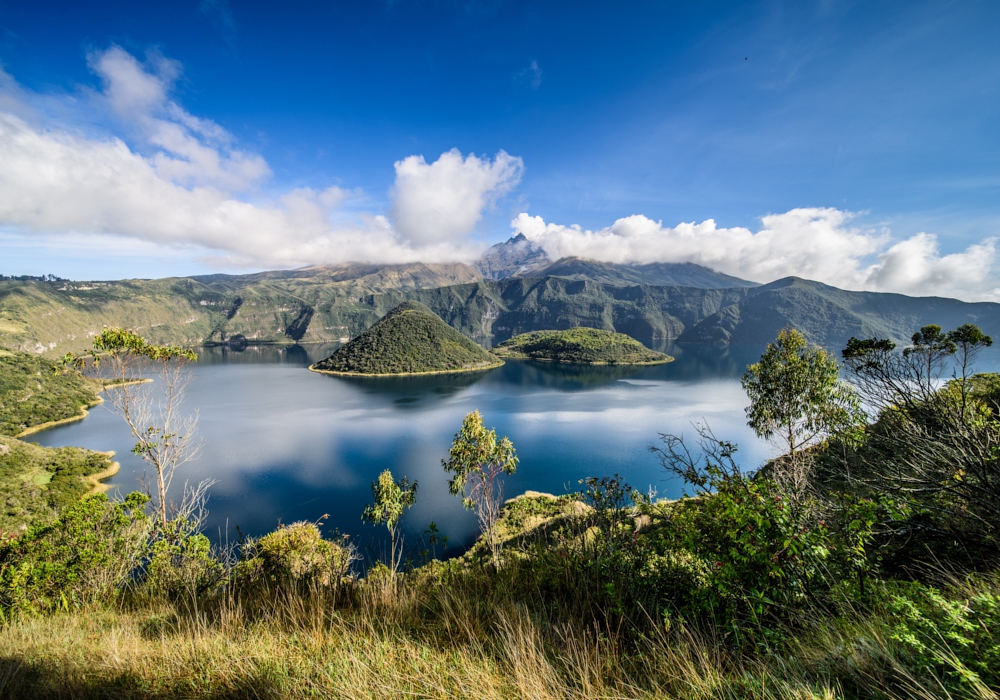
[[152, 409], [935, 444]]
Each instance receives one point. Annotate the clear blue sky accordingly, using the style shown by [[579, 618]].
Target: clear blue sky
[[679, 112]]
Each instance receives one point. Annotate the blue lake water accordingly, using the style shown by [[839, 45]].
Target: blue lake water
[[286, 444]]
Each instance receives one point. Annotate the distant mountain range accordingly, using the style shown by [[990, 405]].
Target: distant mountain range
[[513, 289]]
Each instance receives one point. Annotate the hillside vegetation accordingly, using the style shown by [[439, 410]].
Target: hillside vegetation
[[410, 339], [582, 345], [860, 563], [654, 274], [35, 391], [36, 483]]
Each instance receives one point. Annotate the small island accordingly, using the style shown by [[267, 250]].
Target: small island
[[408, 340], [580, 345]]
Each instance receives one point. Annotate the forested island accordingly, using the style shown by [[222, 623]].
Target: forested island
[[860, 563], [410, 339], [590, 346]]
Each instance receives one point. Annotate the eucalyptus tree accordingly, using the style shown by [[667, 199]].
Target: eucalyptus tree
[[477, 459], [797, 400], [391, 499]]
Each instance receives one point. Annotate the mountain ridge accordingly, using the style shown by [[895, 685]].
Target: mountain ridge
[[336, 303]]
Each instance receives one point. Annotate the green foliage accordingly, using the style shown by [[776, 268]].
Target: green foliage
[[767, 552], [296, 555], [36, 483], [181, 566], [123, 341], [34, 391], [581, 345], [476, 459], [392, 498], [409, 339], [796, 395], [88, 554], [933, 449], [950, 635]]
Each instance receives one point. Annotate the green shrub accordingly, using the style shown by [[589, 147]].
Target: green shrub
[[181, 566], [952, 635], [89, 553], [297, 554]]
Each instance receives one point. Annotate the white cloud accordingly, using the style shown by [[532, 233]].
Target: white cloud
[[174, 184], [443, 201], [192, 151], [815, 243]]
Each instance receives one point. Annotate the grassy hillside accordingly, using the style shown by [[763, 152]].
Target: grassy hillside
[[36, 483], [659, 274], [829, 316], [582, 345], [34, 391], [410, 339], [336, 304]]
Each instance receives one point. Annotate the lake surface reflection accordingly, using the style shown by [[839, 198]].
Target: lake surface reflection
[[286, 444]]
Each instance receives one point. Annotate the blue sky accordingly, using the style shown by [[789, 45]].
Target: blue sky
[[852, 142]]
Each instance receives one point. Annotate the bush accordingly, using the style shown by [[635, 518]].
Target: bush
[[297, 554], [88, 554], [952, 635], [181, 566]]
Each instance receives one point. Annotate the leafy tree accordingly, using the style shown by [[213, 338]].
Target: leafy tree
[[969, 341], [477, 459], [935, 447], [121, 358], [797, 399], [392, 498]]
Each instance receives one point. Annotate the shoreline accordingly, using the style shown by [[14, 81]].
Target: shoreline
[[96, 480], [312, 368], [669, 358], [84, 410]]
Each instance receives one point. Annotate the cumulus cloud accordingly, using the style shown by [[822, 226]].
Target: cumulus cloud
[[181, 180], [815, 243], [443, 201], [191, 151]]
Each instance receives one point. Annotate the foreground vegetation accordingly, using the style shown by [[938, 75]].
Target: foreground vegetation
[[860, 563], [410, 339], [581, 345]]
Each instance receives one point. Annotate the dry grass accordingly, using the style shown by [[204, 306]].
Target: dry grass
[[299, 650]]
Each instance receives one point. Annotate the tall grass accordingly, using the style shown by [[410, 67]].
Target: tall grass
[[398, 637]]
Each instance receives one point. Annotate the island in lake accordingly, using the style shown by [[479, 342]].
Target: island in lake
[[410, 339], [581, 345]]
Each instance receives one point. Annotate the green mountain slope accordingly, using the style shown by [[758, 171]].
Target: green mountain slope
[[336, 304], [829, 316], [410, 339], [34, 391], [582, 345], [659, 274], [37, 482]]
